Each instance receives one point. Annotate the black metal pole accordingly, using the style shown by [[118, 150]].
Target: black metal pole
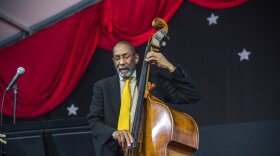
[[15, 102]]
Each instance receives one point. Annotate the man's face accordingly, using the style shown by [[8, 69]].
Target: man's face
[[125, 60]]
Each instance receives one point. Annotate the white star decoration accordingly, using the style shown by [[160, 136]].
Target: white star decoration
[[72, 110], [212, 19], [244, 55]]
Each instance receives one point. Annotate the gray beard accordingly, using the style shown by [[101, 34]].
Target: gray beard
[[128, 74]]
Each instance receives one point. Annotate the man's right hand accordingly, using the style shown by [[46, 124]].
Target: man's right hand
[[124, 138]]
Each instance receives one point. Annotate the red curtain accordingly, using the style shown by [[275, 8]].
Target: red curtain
[[54, 60], [217, 4], [56, 57], [131, 20]]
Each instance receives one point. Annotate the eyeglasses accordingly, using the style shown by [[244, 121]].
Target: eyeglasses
[[125, 57]]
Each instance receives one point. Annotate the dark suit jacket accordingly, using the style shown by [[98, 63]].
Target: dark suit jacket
[[176, 87]]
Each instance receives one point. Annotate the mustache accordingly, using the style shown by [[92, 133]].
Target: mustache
[[129, 72], [123, 67]]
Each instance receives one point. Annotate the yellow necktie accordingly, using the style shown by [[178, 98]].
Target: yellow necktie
[[124, 116]]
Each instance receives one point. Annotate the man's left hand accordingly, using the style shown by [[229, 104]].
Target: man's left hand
[[158, 59]]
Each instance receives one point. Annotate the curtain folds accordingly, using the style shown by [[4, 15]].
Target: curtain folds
[[131, 20], [218, 4], [55, 58]]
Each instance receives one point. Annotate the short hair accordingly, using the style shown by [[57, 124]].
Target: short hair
[[130, 46]]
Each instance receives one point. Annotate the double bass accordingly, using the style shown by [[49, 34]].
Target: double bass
[[157, 129]]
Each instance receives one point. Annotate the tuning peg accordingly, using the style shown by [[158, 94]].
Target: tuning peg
[[163, 43], [167, 37]]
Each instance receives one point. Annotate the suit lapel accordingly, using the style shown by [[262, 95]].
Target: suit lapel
[[115, 95]]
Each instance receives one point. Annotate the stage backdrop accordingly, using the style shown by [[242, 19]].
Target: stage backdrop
[[231, 53], [56, 58]]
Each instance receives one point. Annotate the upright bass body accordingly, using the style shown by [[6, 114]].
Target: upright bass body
[[167, 132], [159, 130]]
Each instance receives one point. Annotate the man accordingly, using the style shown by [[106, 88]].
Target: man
[[173, 86]]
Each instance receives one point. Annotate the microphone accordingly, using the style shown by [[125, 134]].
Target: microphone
[[20, 71]]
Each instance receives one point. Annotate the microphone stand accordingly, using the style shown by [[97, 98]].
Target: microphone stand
[[2, 136], [2, 150], [15, 102]]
